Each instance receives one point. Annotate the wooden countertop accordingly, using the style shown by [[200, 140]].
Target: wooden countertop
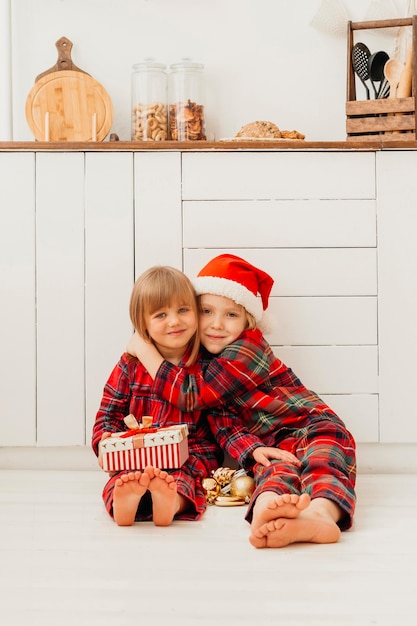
[[138, 146]]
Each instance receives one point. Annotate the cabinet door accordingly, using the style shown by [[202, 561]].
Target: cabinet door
[[302, 271], [17, 296], [109, 268], [288, 175], [60, 298], [279, 224], [158, 220], [397, 328]]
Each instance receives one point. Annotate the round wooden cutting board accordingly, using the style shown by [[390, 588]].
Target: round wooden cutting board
[[77, 106]]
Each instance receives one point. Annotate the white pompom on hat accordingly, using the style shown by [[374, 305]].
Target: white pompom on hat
[[232, 277]]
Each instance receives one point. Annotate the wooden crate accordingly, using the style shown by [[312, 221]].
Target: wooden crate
[[380, 119]]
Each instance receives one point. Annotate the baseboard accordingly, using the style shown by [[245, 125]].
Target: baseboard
[[372, 458]]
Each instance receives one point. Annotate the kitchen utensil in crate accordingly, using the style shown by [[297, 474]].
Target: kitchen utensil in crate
[[376, 64], [360, 62]]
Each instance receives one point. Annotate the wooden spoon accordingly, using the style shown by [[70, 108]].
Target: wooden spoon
[[405, 83], [392, 72]]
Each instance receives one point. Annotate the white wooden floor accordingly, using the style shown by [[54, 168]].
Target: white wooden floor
[[63, 562]]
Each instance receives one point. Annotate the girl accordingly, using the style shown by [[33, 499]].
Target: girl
[[163, 308], [255, 403]]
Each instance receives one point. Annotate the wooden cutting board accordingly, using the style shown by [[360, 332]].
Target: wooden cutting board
[[68, 104]]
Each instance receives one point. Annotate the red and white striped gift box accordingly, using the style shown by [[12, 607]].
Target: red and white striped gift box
[[166, 448]]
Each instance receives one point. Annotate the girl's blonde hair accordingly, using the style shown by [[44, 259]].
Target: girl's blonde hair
[[157, 288]]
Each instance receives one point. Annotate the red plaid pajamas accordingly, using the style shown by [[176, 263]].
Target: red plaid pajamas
[[129, 391], [253, 399], [328, 469]]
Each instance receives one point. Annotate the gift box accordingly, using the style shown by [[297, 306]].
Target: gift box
[[166, 448]]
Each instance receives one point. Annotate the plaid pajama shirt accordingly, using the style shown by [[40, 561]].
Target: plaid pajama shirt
[[129, 391], [253, 399]]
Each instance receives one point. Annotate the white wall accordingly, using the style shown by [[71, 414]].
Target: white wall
[[264, 59]]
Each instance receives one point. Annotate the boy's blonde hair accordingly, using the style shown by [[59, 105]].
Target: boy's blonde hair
[[251, 320], [157, 288]]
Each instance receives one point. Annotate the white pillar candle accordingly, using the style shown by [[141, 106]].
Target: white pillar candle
[[94, 127]]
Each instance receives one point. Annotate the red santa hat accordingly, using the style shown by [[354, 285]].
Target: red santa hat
[[230, 276]]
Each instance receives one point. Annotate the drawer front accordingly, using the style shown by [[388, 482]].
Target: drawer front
[[304, 271], [333, 369], [279, 224], [360, 414], [323, 321], [282, 175]]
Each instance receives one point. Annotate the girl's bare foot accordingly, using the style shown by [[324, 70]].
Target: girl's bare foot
[[128, 491], [297, 520], [165, 499]]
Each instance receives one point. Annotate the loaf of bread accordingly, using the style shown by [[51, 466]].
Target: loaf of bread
[[266, 130], [260, 130]]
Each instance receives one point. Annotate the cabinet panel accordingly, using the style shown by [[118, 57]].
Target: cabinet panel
[[17, 289], [397, 232], [288, 174], [360, 414], [323, 321], [158, 237], [109, 268], [280, 224], [333, 369], [60, 298], [304, 271]]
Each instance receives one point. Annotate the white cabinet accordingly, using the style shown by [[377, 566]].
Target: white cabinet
[[157, 210], [66, 229], [73, 227], [59, 263], [310, 221], [397, 269], [336, 230], [109, 269], [17, 299]]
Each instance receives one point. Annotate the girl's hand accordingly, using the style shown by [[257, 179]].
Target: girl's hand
[[105, 435], [263, 455]]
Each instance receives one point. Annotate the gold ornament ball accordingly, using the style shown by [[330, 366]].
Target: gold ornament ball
[[211, 488], [242, 487]]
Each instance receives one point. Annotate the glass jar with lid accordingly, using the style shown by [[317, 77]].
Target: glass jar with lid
[[149, 101], [186, 101]]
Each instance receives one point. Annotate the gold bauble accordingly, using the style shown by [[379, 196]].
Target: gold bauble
[[211, 488], [242, 487], [224, 475]]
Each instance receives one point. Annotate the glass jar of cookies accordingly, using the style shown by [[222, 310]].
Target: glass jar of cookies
[[149, 101], [186, 101]]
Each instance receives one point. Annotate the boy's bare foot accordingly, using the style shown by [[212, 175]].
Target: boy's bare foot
[[294, 519], [270, 505], [128, 491], [165, 499]]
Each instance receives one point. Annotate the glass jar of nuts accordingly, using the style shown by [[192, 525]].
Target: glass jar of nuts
[[149, 101], [186, 101]]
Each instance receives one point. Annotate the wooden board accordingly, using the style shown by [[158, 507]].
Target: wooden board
[[78, 108]]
